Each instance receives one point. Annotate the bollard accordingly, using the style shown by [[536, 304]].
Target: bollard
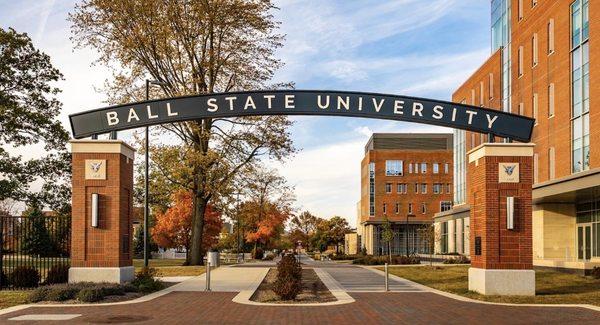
[[387, 284], [207, 275]]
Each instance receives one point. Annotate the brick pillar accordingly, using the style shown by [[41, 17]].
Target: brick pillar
[[501, 258], [102, 253]]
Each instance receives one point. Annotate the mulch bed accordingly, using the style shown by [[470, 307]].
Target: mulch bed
[[313, 290]]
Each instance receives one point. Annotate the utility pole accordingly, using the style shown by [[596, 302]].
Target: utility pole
[[146, 168]]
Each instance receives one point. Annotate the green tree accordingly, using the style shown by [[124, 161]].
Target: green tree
[[138, 243], [28, 116], [194, 47], [35, 238], [387, 235], [338, 228], [304, 226]]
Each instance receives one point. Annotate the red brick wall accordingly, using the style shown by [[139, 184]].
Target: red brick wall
[[407, 156], [500, 248], [102, 246]]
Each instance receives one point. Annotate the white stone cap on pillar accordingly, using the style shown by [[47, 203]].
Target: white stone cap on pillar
[[102, 146], [501, 149]]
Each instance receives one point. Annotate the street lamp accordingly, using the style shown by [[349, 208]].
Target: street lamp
[[147, 147], [409, 215]]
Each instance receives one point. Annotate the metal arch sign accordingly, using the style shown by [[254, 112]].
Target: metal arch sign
[[302, 102]]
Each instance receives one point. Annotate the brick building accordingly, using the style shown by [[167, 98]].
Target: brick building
[[544, 66], [403, 176]]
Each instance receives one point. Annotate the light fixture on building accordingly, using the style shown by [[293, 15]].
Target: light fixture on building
[[95, 210], [510, 212]]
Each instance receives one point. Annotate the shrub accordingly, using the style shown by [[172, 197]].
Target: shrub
[[61, 292], [58, 273], [344, 257], [258, 253], [39, 294], [4, 279], [90, 294], [596, 272], [289, 278], [145, 282], [25, 277], [112, 289], [269, 257], [381, 260], [461, 259]]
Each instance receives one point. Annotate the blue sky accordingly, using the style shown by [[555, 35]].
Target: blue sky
[[421, 48]]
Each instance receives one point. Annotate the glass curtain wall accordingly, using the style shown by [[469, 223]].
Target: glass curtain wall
[[580, 87]]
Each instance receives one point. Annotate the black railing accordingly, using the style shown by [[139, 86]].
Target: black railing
[[32, 244]]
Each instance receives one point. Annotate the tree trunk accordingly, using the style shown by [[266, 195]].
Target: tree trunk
[[197, 253]]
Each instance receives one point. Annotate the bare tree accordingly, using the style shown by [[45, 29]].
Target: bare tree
[[193, 47]]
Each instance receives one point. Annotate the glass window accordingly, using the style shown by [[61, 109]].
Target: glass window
[[423, 168], [445, 206], [437, 188], [580, 150], [372, 189], [410, 168], [416, 188], [410, 208], [551, 100], [388, 187], [534, 50], [424, 188], [551, 36], [436, 168], [393, 168], [444, 237], [397, 210], [446, 168], [423, 208], [384, 208]]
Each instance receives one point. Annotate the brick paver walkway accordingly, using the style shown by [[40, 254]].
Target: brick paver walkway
[[358, 279], [369, 308]]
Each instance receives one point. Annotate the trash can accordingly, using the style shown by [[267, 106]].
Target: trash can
[[213, 259]]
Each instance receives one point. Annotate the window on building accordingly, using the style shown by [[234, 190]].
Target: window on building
[[416, 168], [534, 105], [371, 189], [423, 208], [423, 168], [520, 9], [481, 91], [393, 168], [551, 36], [436, 168], [397, 209], [580, 87], [424, 188], [491, 84], [536, 165], [401, 188], [446, 168], [551, 100], [410, 208], [384, 208], [448, 188], [416, 188], [388, 187], [444, 237], [551, 163], [520, 62], [521, 109], [410, 168], [534, 50], [533, 3], [445, 206]]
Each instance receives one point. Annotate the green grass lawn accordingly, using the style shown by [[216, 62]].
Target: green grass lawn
[[170, 267], [551, 287], [9, 298]]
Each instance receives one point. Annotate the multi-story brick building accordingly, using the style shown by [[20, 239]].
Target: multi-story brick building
[[403, 177], [543, 65]]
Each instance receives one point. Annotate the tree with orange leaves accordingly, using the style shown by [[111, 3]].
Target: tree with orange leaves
[[173, 228]]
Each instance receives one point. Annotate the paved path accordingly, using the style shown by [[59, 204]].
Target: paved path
[[358, 279], [369, 308], [187, 303]]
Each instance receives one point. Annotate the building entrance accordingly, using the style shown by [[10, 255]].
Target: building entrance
[[584, 242]]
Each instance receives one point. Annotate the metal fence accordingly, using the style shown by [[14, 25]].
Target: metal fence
[[40, 243]]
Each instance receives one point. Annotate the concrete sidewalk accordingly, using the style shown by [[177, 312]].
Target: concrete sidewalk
[[224, 279]]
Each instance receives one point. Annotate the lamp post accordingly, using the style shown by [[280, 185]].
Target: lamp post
[[146, 168], [409, 215]]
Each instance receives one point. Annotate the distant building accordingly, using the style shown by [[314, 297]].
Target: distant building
[[351, 243], [403, 176]]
